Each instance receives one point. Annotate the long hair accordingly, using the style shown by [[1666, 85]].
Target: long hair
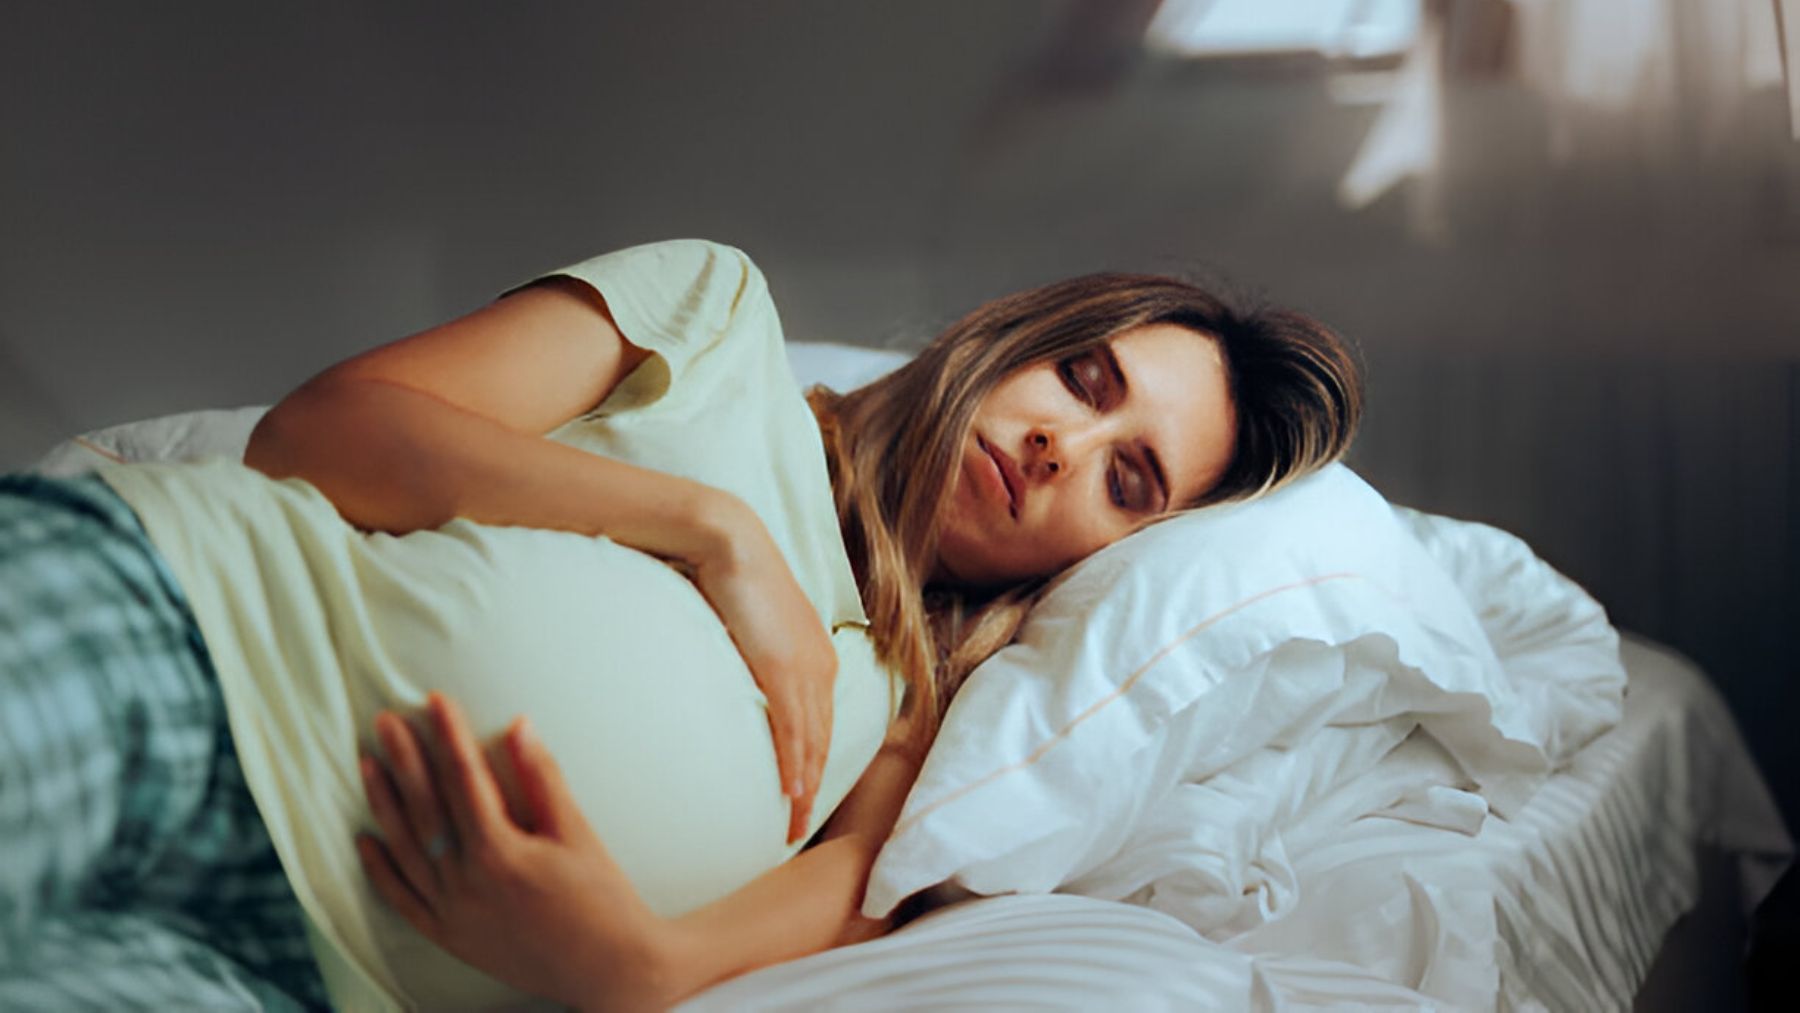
[[894, 445]]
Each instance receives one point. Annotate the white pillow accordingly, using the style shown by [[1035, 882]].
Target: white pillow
[[188, 436], [1215, 853], [1173, 654], [840, 367]]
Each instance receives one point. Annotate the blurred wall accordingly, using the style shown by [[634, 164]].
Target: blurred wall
[[203, 203]]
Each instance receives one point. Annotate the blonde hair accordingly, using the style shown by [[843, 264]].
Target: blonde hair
[[893, 447]]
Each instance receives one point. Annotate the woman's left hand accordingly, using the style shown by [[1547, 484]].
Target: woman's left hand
[[535, 901]]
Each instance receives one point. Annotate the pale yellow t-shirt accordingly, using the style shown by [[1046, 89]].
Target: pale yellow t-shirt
[[625, 671]]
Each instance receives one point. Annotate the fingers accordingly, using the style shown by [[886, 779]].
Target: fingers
[[801, 811], [417, 830], [547, 796], [799, 815], [789, 760], [790, 751], [394, 887], [801, 728], [818, 743], [801, 764], [821, 738], [403, 849], [463, 776]]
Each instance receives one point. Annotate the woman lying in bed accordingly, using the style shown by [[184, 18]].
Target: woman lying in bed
[[694, 558]]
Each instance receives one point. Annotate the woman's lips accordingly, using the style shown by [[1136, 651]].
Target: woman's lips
[[1008, 472]]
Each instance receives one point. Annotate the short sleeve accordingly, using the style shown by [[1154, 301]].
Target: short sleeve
[[677, 299]]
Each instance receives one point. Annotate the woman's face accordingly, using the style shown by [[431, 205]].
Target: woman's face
[[1066, 457]]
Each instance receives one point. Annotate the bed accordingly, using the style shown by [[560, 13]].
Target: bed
[[1563, 908], [1563, 901]]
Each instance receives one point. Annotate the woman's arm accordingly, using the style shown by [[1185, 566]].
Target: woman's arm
[[536, 900], [811, 902], [449, 423]]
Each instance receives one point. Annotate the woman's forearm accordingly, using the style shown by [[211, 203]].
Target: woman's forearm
[[396, 459], [810, 903], [805, 905]]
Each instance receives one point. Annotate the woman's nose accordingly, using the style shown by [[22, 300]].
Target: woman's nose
[[1044, 453], [1054, 449]]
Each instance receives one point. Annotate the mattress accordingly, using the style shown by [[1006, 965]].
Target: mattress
[[1562, 907]]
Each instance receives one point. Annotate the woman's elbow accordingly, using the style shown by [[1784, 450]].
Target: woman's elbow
[[270, 449], [289, 436], [335, 437], [860, 929]]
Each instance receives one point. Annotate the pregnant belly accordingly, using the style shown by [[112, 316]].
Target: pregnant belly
[[629, 678]]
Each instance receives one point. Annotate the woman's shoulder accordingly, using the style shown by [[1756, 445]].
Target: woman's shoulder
[[696, 304], [686, 267]]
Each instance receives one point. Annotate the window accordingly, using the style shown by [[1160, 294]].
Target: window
[[1355, 29]]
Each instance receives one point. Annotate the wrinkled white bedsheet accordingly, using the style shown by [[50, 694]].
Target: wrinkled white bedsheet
[[1565, 906]]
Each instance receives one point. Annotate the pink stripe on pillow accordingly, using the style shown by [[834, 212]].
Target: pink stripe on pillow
[[98, 449]]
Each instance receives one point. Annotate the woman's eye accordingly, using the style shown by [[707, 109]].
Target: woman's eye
[[1084, 377], [1127, 488]]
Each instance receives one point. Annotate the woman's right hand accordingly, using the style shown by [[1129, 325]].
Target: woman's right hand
[[748, 583]]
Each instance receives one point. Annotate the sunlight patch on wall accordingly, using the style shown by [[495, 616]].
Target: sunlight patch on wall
[[1357, 29]]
